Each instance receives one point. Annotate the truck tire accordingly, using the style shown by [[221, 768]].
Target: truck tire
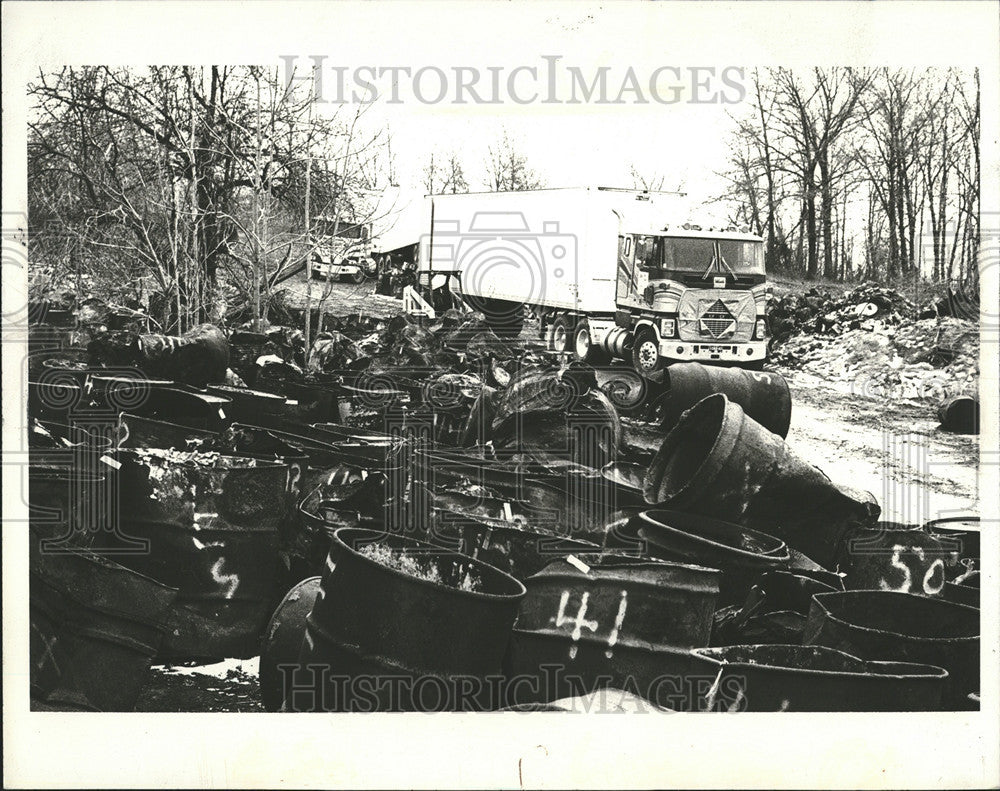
[[583, 347], [561, 339], [356, 277], [646, 357]]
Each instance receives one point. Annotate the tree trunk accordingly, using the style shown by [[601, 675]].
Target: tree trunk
[[826, 218]]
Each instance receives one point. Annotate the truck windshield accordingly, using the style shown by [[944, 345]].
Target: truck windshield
[[701, 256]]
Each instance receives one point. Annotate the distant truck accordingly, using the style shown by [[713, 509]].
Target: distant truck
[[608, 272], [342, 250]]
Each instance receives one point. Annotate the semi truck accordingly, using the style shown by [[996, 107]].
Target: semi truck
[[342, 250], [610, 273]]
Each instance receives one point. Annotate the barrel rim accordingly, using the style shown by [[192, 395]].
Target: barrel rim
[[110, 378], [937, 602], [271, 627], [694, 481], [611, 466], [645, 516], [702, 653], [630, 644], [575, 574], [338, 538], [944, 523], [48, 471], [258, 395], [88, 440]]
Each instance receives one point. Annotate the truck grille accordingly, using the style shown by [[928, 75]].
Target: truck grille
[[717, 320]]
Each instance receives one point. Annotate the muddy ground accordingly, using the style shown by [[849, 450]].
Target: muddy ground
[[894, 449]]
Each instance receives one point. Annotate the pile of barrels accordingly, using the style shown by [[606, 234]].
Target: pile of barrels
[[734, 576], [402, 572]]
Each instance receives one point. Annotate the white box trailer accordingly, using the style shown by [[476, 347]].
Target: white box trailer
[[608, 271]]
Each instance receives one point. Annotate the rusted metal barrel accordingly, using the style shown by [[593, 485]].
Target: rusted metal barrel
[[95, 628], [344, 496], [631, 393], [318, 401], [517, 551], [135, 431], [607, 700], [906, 561], [250, 406], [739, 553], [617, 343], [279, 654], [901, 627], [75, 370], [54, 400], [760, 678], [323, 450], [964, 590], [65, 504], [775, 609], [717, 462], [626, 480], [437, 467], [393, 629], [764, 396], [124, 390], [74, 436], [961, 534], [199, 356], [960, 414], [609, 621], [212, 526]]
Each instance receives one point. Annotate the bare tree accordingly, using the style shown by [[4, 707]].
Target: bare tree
[[813, 119], [192, 176], [507, 168]]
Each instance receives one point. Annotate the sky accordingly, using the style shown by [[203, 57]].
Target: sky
[[594, 140], [698, 64]]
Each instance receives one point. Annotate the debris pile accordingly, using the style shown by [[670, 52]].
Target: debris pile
[[821, 311], [422, 502], [875, 338]]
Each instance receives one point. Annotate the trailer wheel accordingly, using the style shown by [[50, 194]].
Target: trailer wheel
[[584, 348], [562, 333], [646, 352]]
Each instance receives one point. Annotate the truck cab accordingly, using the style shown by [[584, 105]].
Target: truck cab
[[687, 294], [342, 250]]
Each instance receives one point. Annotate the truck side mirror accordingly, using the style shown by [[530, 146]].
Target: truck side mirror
[[647, 294]]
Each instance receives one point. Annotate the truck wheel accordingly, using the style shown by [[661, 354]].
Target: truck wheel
[[357, 277], [584, 348], [562, 333], [646, 352]]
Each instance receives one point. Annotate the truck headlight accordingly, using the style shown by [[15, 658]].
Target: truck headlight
[[761, 329], [667, 328]]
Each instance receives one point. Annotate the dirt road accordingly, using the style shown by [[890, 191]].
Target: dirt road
[[896, 450]]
